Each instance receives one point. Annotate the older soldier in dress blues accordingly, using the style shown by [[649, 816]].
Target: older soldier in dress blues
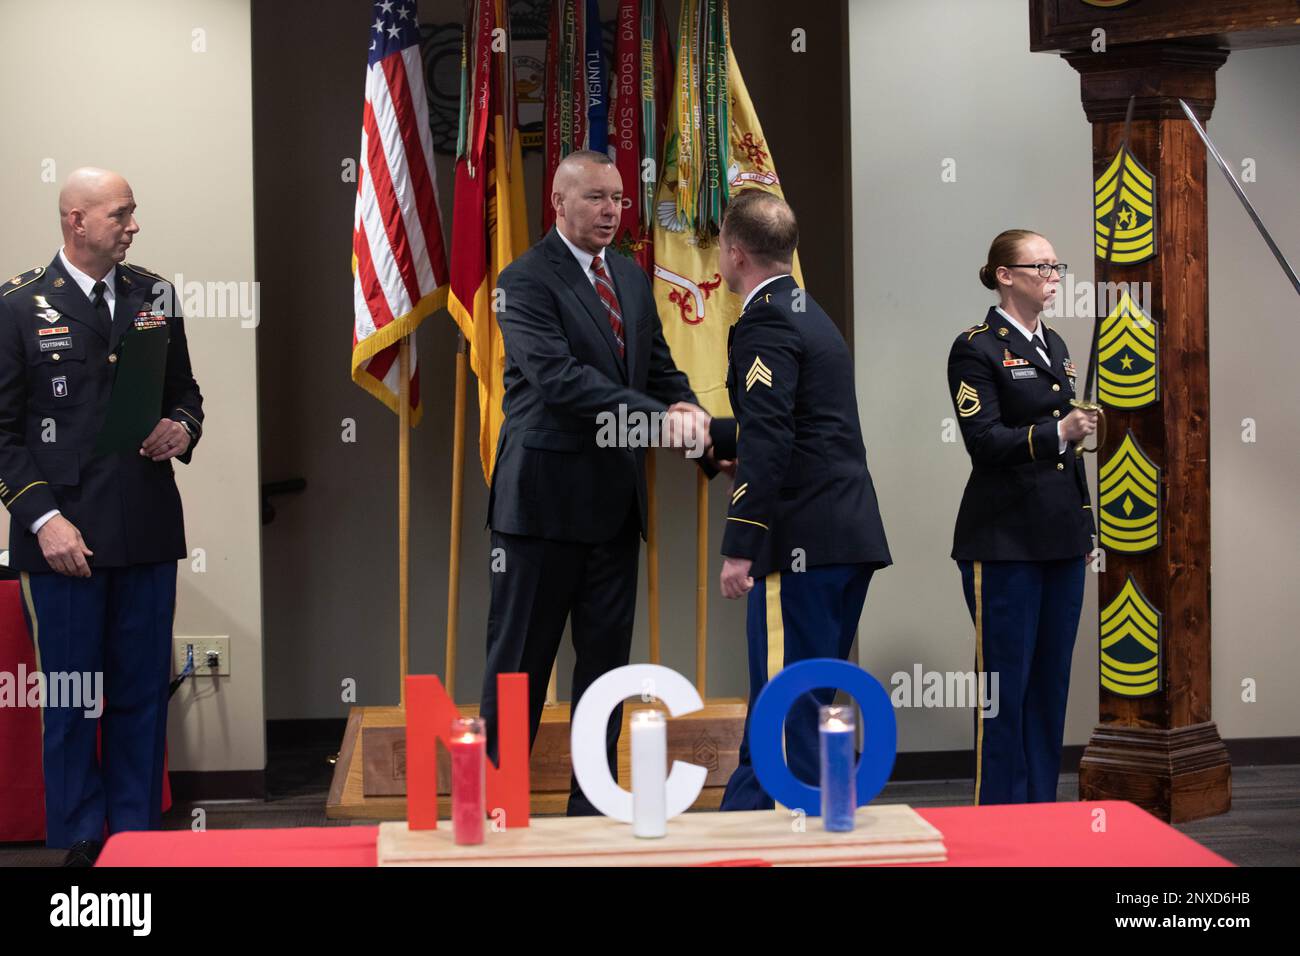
[[1025, 527], [96, 536], [803, 534]]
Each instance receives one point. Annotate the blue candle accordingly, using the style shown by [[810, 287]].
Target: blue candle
[[839, 795]]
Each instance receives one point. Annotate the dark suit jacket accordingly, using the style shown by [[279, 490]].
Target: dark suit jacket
[[802, 482], [552, 479], [57, 369], [1024, 501]]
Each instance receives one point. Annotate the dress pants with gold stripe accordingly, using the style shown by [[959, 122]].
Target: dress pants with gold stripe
[[117, 623], [1026, 616], [795, 616]]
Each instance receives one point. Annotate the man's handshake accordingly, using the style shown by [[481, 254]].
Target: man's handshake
[[686, 426]]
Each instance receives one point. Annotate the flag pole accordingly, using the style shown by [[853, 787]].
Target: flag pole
[[457, 501], [652, 553], [701, 580], [404, 511]]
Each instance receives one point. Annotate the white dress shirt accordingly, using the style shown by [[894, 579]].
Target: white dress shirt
[[1035, 336], [87, 283], [1040, 343], [585, 258]]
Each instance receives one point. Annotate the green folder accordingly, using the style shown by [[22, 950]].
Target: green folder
[[135, 406]]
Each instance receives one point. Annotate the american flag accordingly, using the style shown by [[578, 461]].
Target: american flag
[[399, 263]]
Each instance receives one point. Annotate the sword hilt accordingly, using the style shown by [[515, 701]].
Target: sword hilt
[[1101, 426]]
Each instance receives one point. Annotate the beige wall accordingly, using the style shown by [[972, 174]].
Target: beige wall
[[120, 85], [964, 86], [1254, 338]]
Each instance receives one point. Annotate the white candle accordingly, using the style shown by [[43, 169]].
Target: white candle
[[649, 773]]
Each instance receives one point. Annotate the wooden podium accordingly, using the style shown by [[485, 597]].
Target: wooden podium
[[1156, 744], [370, 774], [369, 780]]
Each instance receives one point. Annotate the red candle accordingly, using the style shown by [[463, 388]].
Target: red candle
[[468, 780]]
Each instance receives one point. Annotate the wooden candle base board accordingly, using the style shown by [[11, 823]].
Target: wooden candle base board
[[892, 833]]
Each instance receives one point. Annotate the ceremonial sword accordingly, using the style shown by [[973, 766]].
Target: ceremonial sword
[[1089, 401], [1241, 194]]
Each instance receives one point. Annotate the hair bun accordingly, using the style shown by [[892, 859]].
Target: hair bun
[[986, 278]]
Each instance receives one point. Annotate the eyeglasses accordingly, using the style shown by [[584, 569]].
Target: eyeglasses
[[1045, 269]]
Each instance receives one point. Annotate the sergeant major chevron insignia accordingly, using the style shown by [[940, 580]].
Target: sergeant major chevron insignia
[[1127, 360], [1132, 214], [1128, 486]]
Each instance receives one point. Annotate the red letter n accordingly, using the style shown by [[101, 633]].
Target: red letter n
[[429, 713]]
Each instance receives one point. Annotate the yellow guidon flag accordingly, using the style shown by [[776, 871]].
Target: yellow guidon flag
[[489, 222], [1129, 492], [701, 169], [1131, 638], [1128, 353], [1134, 219]]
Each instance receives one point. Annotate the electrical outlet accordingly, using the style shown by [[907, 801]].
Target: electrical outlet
[[204, 650]]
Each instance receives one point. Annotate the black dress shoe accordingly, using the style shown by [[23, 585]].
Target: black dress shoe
[[83, 853]]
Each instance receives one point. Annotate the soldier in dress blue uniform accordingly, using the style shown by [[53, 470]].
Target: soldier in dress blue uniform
[[96, 536], [1024, 530], [803, 534]]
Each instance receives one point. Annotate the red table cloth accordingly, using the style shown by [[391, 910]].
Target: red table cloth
[[1038, 834]]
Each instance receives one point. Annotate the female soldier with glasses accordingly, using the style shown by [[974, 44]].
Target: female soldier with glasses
[[1024, 530]]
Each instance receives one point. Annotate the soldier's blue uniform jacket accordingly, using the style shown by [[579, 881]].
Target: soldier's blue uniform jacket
[[803, 507], [1022, 534], [1024, 501], [801, 480], [58, 362]]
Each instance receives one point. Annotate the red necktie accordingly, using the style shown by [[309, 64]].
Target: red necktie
[[605, 289]]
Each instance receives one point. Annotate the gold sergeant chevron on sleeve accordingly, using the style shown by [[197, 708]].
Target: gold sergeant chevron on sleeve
[[758, 372], [968, 401]]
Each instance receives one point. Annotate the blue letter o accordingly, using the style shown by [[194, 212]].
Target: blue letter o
[[767, 727]]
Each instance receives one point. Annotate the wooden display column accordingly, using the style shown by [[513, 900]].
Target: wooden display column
[[1162, 751]]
